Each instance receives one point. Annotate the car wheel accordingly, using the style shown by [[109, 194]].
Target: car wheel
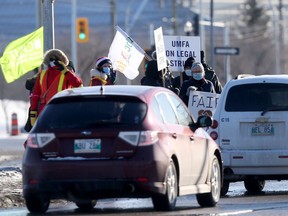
[[167, 202], [254, 185], [86, 205], [225, 188], [37, 204], [212, 198]]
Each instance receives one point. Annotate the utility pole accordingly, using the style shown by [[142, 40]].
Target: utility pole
[[212, 33], [175, 17], [281, 38], [39, 14], [48, 24], [113, 18]]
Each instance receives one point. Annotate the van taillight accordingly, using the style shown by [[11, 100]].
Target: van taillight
[[214, 135], [214, 124]]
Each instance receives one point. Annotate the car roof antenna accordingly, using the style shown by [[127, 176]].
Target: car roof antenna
[[101, 90]]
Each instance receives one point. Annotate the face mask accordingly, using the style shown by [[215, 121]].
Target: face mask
[[52, 63], [106, 70], [188, 72], [197, 76]]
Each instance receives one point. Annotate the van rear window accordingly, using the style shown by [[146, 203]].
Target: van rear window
[[257, 97]]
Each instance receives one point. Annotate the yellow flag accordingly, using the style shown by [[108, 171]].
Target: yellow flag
[[22, 55]]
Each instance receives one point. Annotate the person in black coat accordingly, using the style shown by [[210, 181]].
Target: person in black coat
[[210, 74], [153, 77], [186, 74], [197, 82]]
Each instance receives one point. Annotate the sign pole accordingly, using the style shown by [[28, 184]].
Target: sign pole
[[227, 57]]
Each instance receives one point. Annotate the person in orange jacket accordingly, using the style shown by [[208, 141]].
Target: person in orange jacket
[[55, 78], [103, 74]]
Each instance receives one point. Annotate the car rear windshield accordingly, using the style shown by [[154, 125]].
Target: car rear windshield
[[257, 97], [89, 112]]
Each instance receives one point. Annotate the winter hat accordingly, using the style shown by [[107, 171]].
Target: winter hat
[[197, 67], [55, 54], [189, 61], [102, 60]]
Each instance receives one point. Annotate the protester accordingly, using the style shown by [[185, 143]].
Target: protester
[[103, 74], [29, 85], [153, 77], [54, 78], [186, 74], [197, 82], [210, 74]]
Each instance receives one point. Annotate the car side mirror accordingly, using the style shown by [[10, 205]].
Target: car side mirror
[[204, 121]]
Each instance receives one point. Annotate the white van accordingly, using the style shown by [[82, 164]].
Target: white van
[[251, 127]]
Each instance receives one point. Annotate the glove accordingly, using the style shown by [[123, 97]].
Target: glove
[[33, 116], [61, 66], [191, 88], [112, 76]]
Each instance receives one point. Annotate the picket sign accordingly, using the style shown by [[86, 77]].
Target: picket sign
[[202, 103], [179, 48]]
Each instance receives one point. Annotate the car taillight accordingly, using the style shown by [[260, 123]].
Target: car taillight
[[139, 138], [214, 135], [39, 140], [132, 137], [148, 138]]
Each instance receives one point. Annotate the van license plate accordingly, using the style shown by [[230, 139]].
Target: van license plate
[[262, 129], [87, 146]]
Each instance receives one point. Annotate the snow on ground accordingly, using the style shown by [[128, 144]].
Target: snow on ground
[[12, 106], [11, 153]]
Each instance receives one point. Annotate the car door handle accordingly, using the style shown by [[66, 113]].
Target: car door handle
[[174, 135], [192, 138]]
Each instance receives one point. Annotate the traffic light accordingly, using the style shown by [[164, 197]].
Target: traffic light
[[82, 30]]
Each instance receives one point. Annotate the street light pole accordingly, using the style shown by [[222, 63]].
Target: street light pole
[[48, 24], [211, 33]]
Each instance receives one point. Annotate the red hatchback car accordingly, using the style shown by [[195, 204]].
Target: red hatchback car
[[119, 141]]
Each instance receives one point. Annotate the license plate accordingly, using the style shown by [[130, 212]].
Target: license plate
[[262, 129], [87, 146]]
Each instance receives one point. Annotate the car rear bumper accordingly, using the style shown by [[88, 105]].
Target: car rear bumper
[[256, 162], [93, 189], [94, 179]]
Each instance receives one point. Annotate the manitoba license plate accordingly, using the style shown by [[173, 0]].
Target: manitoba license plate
[[262, 129], [87, 146]]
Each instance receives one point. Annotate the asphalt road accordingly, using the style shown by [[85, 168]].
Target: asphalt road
[[10, 143], [272, 201]]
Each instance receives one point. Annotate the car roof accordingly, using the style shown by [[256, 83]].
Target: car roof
[[282, 78], [126, 90]]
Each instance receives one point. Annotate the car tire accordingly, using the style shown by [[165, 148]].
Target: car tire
[[225, 188], [254, 185], [212, 198], [86, 205], [167, 202], [37, 203]]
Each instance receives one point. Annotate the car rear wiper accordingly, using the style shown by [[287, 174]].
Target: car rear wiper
[[274, 108]]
